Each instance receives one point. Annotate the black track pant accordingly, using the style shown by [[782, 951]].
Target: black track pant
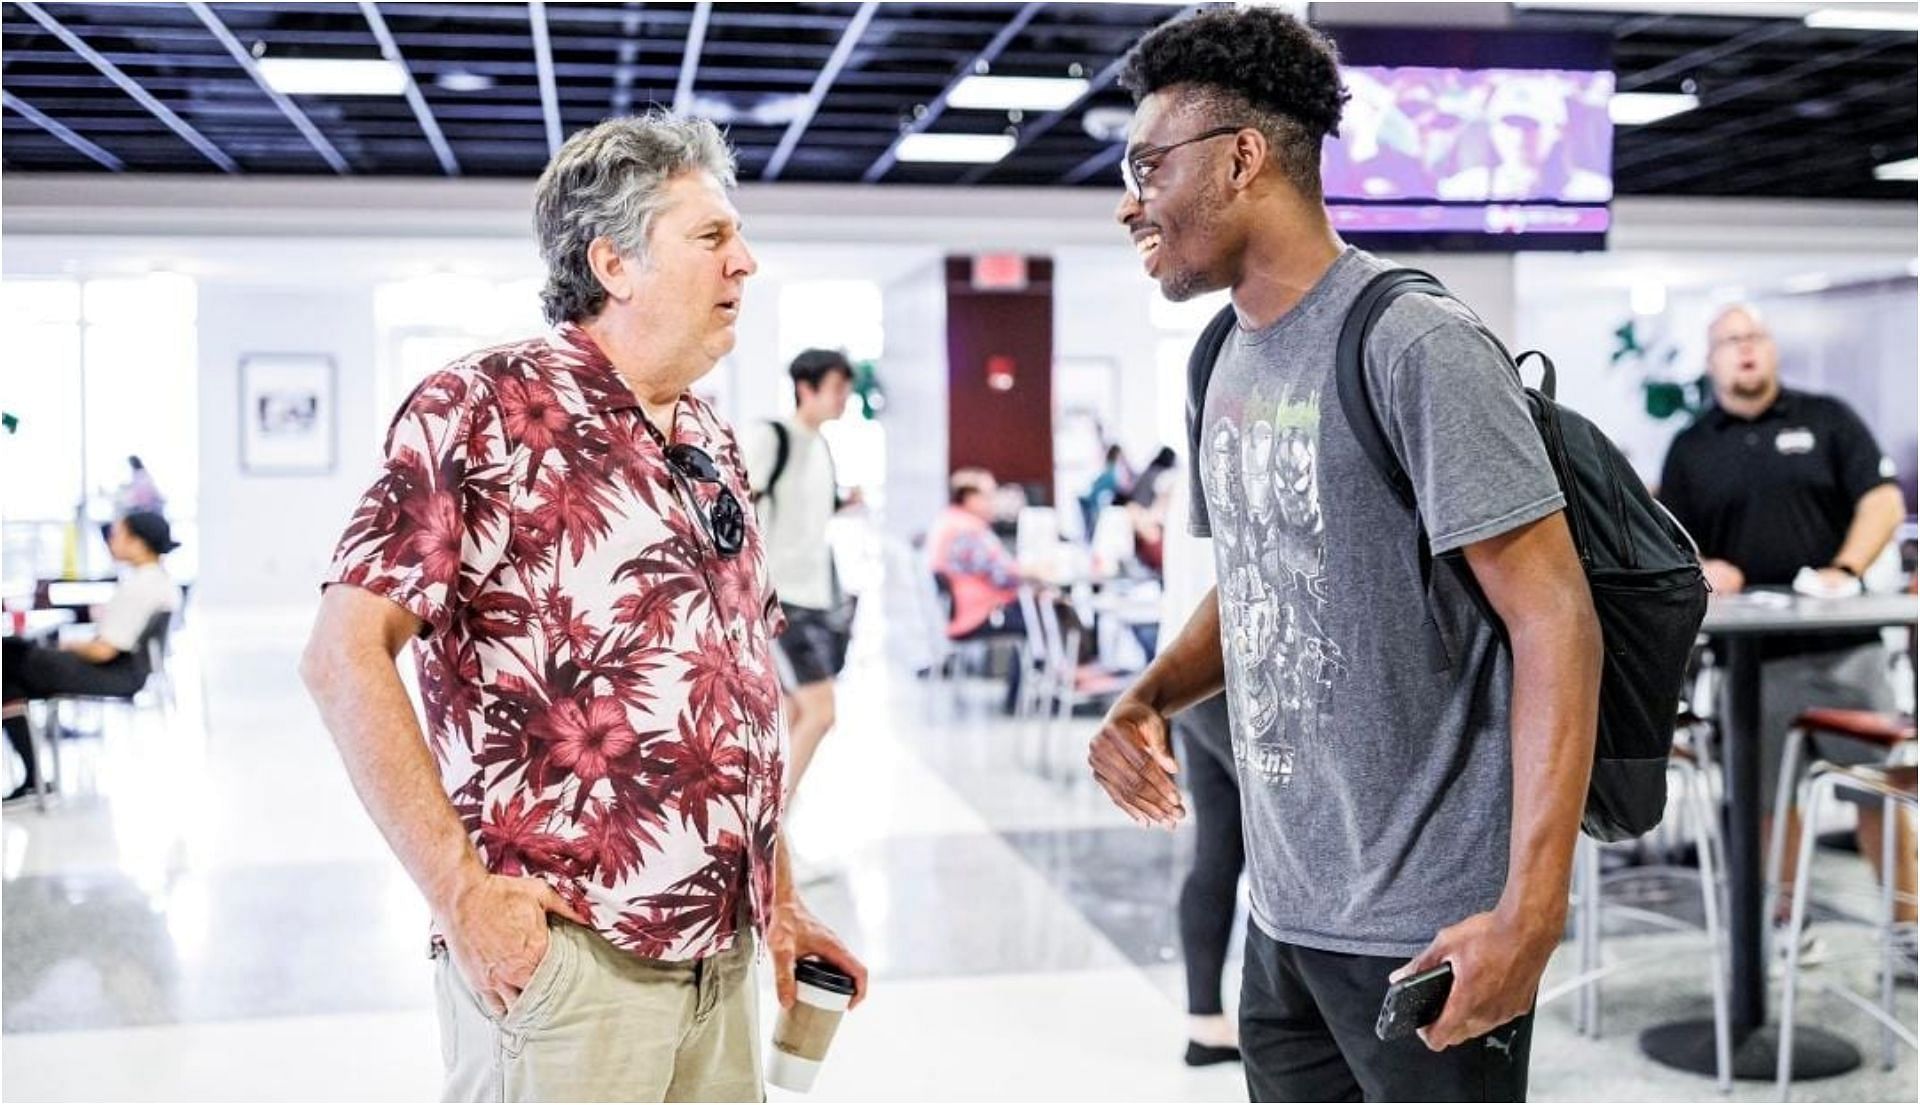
[[1306, 1034], [1207, 898], [35, 672]]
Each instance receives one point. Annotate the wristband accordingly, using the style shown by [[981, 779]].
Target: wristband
[[1837, 566]]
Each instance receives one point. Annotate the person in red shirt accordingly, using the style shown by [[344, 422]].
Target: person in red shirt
[[962, 548], [592, 809]]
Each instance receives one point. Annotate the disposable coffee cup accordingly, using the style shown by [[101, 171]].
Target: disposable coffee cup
[[803, 1033]]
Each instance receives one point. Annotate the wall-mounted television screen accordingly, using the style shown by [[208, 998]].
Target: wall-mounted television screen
[[1472, 139]]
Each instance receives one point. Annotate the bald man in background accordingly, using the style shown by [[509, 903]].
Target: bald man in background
[[1771, 481]]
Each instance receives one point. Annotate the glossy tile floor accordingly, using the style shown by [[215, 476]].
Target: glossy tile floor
[[208, 915]]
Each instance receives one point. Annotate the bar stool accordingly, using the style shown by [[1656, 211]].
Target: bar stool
[[1893, 733], [1894, 786], [1690, 772]]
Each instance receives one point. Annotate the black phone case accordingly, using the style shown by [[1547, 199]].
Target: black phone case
[[1414, 1003]]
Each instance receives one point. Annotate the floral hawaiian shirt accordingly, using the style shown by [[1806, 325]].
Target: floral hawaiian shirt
[[598, 682]]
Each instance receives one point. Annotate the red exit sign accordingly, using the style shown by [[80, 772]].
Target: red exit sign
[[999, 272]]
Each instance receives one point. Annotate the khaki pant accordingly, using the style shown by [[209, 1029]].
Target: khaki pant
[[599, 1024]]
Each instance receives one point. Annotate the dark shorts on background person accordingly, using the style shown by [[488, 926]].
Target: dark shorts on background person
[[1838, 679], [33, 671], [1306, 1034], [812, 650]]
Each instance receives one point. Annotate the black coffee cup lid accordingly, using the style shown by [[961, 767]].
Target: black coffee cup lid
[[824, 975]]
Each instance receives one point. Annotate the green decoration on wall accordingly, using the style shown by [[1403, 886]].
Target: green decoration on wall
[[1629, 343], [866, 385]]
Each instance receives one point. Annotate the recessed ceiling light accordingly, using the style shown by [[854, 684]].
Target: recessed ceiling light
[[1898, 170], [1632, 109], [334, 76], [1880, 17], [1106, 124], [966, 149], [463, 80], [1017, 93]]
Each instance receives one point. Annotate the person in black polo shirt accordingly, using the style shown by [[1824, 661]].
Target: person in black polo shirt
[[1771, 481]]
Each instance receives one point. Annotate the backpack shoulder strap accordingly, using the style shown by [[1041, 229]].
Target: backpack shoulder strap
[[1363, 417], [1200, 372], [781, 448], [1350, 371]]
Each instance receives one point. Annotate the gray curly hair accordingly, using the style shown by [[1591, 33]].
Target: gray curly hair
[[610, 182]]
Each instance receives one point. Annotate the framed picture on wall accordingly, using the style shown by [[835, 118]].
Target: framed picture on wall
[[287, 414]]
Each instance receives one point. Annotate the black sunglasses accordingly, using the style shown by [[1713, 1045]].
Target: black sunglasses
[[726, 522], [1139, 164]]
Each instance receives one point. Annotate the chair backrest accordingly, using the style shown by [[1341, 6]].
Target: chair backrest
[[1030, 604], [1052, 640], [152, 644]]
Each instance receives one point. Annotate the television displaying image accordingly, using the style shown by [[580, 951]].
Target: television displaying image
[[1472, 140], [1488, 135]]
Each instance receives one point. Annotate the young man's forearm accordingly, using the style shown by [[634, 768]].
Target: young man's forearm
[[1556, 677], [366, 709], [1190, 668]]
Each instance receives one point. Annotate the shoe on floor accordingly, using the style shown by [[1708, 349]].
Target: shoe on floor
[[21, 793], [1201, 1055], [1906, 956], [1813, 950]]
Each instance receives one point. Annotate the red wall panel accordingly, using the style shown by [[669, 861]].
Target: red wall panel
[[1008, 432]]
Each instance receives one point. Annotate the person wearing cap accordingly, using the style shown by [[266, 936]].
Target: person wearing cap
[[112, 662]]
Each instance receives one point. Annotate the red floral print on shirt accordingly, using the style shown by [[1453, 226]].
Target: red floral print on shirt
[[598, 681]]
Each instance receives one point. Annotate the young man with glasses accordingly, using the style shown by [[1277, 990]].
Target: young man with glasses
[[593, 808], [1408, 798]]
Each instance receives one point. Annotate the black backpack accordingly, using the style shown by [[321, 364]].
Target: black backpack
[[1643, 568]]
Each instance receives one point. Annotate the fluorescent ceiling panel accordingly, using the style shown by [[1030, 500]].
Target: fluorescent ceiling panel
[[1898, 170], [334, 76], [1017, 93], [1632, 109], [1880, 17], [960, 149]]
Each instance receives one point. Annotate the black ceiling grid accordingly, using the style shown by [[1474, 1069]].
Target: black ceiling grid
[[1785, 110]]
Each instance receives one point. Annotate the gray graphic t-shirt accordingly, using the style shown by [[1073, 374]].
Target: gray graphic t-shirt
[[1370, 718]]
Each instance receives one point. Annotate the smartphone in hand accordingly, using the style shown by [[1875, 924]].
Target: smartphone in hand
[[1414, 1003]]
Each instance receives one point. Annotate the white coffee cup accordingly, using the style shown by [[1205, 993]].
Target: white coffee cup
[[803, 1033]]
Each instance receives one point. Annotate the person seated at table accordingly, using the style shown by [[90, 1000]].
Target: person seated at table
[[1116, 475], [1146, 503], [963, 549], [1774, 483], [111, 663]]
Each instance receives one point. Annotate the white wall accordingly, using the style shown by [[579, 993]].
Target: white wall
[[913, 371], [325, 244], [1857, 342], [266, 540], [1572, 307]]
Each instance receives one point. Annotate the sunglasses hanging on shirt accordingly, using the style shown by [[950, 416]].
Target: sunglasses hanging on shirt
[[725, 522]]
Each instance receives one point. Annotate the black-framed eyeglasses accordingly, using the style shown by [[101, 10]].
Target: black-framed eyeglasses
[[1139, 164], [725, 522]]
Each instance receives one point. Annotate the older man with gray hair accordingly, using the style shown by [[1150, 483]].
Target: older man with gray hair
[[592, 810]]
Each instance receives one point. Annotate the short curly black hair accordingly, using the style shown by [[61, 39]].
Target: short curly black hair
[[1259, 66]]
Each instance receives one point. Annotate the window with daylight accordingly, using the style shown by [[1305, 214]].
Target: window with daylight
[[104, 369], [844, 315]]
